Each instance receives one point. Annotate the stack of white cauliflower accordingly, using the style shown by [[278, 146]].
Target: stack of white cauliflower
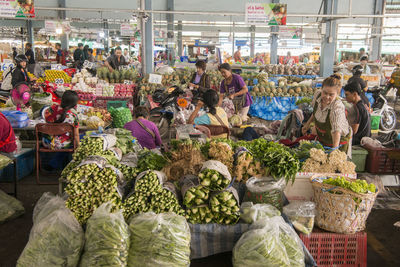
[[336, 162]]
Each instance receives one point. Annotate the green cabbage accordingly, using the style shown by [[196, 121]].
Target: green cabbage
[[159, 240]]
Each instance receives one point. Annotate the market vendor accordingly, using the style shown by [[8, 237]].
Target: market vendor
[[363, 63], [145, 131], [361, 124], [20, 74], [357, 71], [258, 59], [116, 60], [234, 87], [78, 56], [7, 136], [215, 115], [200, 81], [329, 117]]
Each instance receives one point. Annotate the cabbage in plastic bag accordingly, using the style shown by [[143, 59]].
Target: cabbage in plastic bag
[[55, 239], [107, 239], [159, 240], [252, 212], [10, 207]]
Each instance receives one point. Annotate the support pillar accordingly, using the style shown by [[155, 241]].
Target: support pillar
[[170, 33], [62, 15], [233, 40], [179, 42], [328, 46], [106, 35], [274, 41], [30, 32], [377, 30], [252, 40], [147, 38]]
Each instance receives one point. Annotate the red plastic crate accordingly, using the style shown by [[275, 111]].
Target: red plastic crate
[[331, 249], [383, 160]]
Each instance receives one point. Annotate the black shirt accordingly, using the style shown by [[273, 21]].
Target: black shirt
[[19, 76], [362, 84], [31, 56], [114, 63], [364, 123], [78, 55]]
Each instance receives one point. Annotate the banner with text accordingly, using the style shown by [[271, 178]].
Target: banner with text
[[270, 14], [290, 32], [128, 29], [17, 8]]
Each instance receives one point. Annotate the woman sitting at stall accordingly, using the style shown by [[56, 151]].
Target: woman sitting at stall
[[234, 87], [214, 116], [329, 116], [145, 131], [200, 80]]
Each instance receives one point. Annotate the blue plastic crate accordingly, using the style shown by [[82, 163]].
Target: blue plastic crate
[[25, 166]]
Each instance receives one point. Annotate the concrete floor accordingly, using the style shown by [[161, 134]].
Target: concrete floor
[[383, 236]]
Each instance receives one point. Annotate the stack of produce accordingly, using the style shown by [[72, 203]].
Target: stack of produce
[[221, 151], [117, 76], [88, 146], [149, 160], [283, 89], [357, 186], [53, 75], [85, 77], [246, 166], [120, 116], [152, 193], [225, 206], [97, 117], [336, 162], [303, 150], [161, 240]]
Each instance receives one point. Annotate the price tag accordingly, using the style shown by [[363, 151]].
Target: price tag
[[7, 65], [56, 66], [124, 67], [155, 78], [127, 82], [88, 65], [59, 81]]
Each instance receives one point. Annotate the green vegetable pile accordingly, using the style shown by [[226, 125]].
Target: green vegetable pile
[[252, 212], [161, 240], [10, 207], [303, 150], [124, 140], [197, 195], [149, 195], [304, 100], [56, 238], [213, 179], [357, 186], [88, 187], [199, 214], [107, 239], [265, 191], [129, 173], [225, 208], [87, 147], [149, 160], [120, 116]]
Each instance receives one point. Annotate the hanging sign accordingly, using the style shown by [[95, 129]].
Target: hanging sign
[[155, 78], [270, 14], [290, 32], [51, 26], [128, 29], [17, 9], [240, 42]]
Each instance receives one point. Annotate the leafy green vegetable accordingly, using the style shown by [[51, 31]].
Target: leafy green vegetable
[[107, 239], [149, 160], [252, 212], [213, 179], [357, 186], [159, 240], [120, 116], [303, 151], [225, 207]]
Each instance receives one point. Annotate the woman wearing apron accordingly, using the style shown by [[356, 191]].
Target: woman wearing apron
[[234, 88], [329, 116]]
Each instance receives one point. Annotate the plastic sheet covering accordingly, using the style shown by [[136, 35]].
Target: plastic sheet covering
[[10, 207], [301, 214], [252, 212], [56, 238], [159, 240], [106, 239]]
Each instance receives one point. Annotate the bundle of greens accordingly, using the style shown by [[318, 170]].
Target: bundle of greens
[[199, 214], [224, 206], [107, 239], [149, 160], [159, 240], [88, 146], [196, 196], [303, 150], [121, 116], [89, 186], [357, 186], [222, 152], [247, 167], [56, 238]]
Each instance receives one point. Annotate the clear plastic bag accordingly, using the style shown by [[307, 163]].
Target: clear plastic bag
[[47, 204], [94, 122], [10, 207], [56, 238], [265, 190], [159, 240], [301, 214], [252, 212], [106, 239]]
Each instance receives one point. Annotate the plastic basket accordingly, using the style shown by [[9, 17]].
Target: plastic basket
[[330, 249], [375, 121], [382, 160], [359, 157], [116, 104]]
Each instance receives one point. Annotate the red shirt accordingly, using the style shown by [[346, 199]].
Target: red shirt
[[7, 136]]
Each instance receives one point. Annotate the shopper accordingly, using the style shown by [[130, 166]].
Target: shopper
[[15, 53], [289, 60], [329, 116], [85, 52], [116, 60], [145, 131], [20, 74], [234, 87], [357, 71], [366, 68], [60, 58], [361, 125], [237, 57], [31, 57], [78, 56], [90, 55], [258, 59], [215, 115], [126, 55], [7, 136], [362, 53], [200, 80]]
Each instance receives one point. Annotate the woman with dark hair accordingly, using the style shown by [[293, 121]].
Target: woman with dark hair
[[63, 113], [145, 131], [20, 74], [200, 80], [357, 71], [234, 88], [214, 116]]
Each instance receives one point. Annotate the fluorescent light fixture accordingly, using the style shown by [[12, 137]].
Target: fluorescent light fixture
[[59, 31], [101, 34]]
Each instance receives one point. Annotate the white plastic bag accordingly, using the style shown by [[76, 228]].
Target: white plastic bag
[[252, 212]]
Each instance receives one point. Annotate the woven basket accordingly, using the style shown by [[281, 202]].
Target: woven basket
[[340, 213]]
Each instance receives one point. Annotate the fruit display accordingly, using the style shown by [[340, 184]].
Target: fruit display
[[84, 76], [100, 113], [284, 89], [290, 70], [117, 76], [55, 75], [225, 207]]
